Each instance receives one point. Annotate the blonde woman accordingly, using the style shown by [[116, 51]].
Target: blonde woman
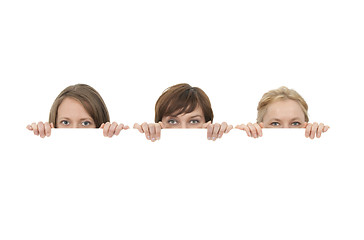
[[283, 108], [78, 106]]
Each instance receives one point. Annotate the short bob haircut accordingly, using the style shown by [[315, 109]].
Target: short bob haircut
[[282, 93], [90, 100], [182, 98]]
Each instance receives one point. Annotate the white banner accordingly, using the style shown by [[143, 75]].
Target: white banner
[[78, 184]]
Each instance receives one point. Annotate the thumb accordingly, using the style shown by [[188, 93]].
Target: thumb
[[261, 124], [205, 125], [162, 125]]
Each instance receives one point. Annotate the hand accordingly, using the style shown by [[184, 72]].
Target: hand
[[216, 130], [41, 129], [313, 129], [112, 129], [252, 130], [152, 130]]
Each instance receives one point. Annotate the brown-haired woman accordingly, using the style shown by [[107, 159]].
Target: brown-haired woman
[[78, 106], [283, 108], [183, 106]]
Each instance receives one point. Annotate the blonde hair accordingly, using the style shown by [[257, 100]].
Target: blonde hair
[[88, 97], [282, 93]]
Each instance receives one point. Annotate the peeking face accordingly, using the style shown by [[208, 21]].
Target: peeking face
[[284, 114], [71, 114], [194, 119]]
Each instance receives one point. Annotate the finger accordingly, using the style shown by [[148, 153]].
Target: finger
[[209, 131], [126, 127], [162, 125], [216, 129], [152, 132], [245, 128], [205, 125], [112, 128], [258, 129], [239, 126], [313, 130], [139, 127], [106, 129], [252, 130], [145, 129], [308, 130], [222, 130], [35, 129], [319, 130], [48, 128], [29, 127], [229, 128], [261, 125], [102, 125], [119, 128], [326, 128], [158, 131], [41, 129], [52, 125]]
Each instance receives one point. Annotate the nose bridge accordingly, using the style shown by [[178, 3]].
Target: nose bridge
[[74, 125], [183, 125]]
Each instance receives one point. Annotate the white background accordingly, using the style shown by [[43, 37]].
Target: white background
[[130, 51]]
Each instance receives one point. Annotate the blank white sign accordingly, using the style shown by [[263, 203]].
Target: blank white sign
[[79, 185]]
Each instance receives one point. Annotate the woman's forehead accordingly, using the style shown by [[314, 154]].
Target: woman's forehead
[[284, 109], [71, 107], [195, 112]]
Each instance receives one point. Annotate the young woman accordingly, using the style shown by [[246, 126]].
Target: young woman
[[283, 108], [183, 106], [78, 106]]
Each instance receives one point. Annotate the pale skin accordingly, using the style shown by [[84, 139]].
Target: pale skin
[[71, 114], [194, 119], [284, 114]]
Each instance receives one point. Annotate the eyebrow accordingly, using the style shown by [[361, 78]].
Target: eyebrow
[[176, 116], [82, 119], [277, 119], [274, 119], [196, 116]]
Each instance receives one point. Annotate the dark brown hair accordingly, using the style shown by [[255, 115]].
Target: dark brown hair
[[182, 98], [90, 100]]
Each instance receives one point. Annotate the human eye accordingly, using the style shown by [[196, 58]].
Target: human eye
[[296, 124], [65, 122], [194, 121], [86, 123], [275, 124], [172, 121]]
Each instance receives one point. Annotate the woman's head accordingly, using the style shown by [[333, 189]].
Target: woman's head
[[282, 108], [183, 106], [78, 106]]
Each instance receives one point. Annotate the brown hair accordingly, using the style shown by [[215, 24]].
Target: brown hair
[[282, 93], [90, 100], [182, 98]]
